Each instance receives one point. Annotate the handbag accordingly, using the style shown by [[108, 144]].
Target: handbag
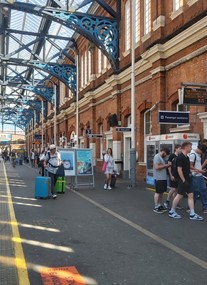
[[104, 166]]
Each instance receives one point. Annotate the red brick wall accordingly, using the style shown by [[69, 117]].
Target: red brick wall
[[159, 87]]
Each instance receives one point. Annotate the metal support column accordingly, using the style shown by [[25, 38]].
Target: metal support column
[[133, 140]]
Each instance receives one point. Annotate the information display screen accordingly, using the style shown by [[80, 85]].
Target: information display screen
[[195, 96]]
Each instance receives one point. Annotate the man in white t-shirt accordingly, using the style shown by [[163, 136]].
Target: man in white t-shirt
[[198, 183], [51, 163]]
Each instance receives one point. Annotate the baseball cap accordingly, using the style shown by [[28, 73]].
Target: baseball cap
[[52, 146]]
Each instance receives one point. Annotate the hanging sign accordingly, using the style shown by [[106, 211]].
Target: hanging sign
[[123, 129], [95, 136], [180, 118]]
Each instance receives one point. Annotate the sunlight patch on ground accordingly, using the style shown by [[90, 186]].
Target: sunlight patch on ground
[[31, 226], [18, 197], [43, 244], [19, 203], [17, 240]]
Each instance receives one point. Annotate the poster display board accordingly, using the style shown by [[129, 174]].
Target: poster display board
[[68, 158], [84, 162], [78, 165]]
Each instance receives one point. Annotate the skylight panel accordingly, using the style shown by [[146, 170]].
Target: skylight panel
[[54, 28], [32, 22], [35, 2], [66, 32], [24, 54], [51, 51], [16, 20], [39, 75], [13, 45], [21, 68], [27, 39]]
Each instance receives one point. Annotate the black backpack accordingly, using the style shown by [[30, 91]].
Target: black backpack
[[174, 170]]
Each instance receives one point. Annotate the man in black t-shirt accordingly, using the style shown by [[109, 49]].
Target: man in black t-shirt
[[173, 181], [183, 169]]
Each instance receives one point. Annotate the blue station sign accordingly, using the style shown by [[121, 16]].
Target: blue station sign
[[173, 117], [123, 129]]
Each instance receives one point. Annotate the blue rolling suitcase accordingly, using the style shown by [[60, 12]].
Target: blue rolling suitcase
[[42, 187]]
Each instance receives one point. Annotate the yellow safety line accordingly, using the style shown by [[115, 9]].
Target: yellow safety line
[[150, 189], [18, 250]]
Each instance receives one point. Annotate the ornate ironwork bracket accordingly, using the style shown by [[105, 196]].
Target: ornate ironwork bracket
[[46, 92], [64, 72], [101, 31]]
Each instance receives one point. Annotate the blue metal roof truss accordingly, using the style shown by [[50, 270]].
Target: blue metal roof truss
[[103, 32]]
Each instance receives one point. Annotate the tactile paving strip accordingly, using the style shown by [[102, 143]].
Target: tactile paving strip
[[8, 272]]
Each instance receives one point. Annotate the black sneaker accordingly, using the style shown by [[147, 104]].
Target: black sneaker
[[158, 210], [163, 209]]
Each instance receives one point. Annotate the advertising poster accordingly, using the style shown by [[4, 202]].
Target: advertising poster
[[68, 158], [84, 162]]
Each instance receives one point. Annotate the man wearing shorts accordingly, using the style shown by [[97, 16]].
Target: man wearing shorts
[[160, 176], [184, 183], [173, 180]]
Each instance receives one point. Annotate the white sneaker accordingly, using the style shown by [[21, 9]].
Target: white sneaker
[[196, 217], [109, 188], [174, 215], [105, 186]]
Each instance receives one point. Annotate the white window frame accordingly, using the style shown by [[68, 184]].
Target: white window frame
[[129, 121], [137, 21], [86, 67], [89, 65], [177, 4], [101, 141], [99, 61], [62, 93], [82, 71], [127, 25], [70, 94], [147, 17], [104, 62]]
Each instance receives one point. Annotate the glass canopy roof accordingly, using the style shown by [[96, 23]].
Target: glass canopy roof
[[31, 37]]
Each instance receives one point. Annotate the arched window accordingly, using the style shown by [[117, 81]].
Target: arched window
[[127, 25], [137, 21], [86, 67], [101, 141], [147, 17], [129, 121], [99, 61], [177, 4]]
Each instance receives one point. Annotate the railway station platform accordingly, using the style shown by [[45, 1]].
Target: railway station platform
[[94, 236]]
